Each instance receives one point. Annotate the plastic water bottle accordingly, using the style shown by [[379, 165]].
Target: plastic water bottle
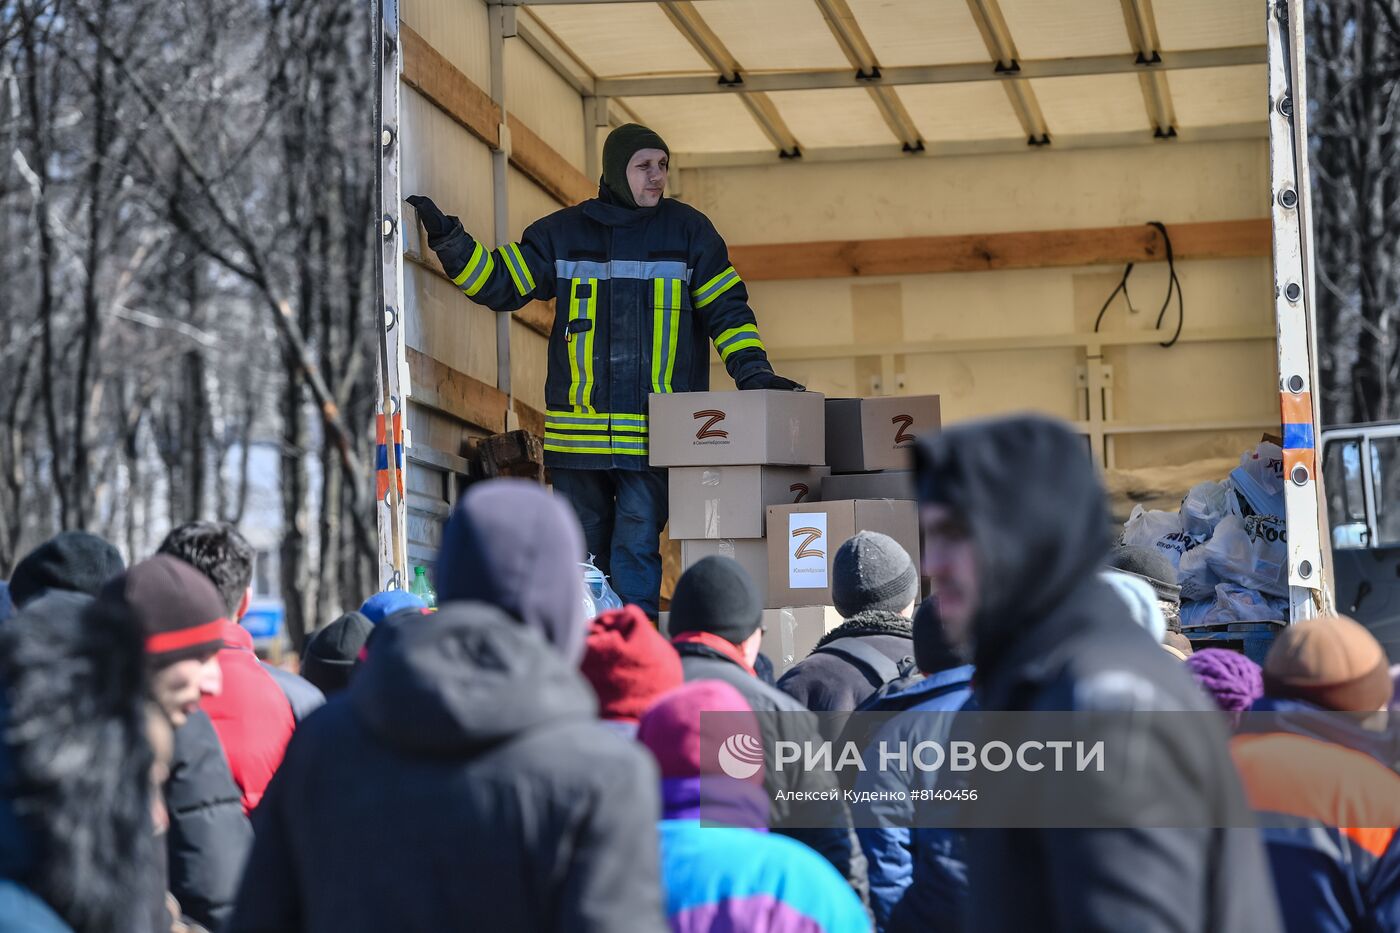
[[423, 589], [596, 584]]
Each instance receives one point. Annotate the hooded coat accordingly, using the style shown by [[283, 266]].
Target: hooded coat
[[831, 681], [1051, 635], [464, 765], [640, 292]]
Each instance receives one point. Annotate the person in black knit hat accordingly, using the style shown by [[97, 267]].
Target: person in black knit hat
[[70, 561], [716, 626], [333, 651], [642, 283]]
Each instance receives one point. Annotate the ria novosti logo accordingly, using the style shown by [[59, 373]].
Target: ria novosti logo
[[741, 756], [711, 417]]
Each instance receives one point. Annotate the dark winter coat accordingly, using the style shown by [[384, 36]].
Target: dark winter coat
[[209, 837], [1051, 635], [303, 696], [838, 845], [462, 782], [828, 681], [77, 842], [641, 294]]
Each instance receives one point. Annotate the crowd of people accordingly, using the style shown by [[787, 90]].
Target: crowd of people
[[506, 763]]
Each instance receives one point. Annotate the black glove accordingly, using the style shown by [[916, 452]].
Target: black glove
[[767, 379], [435, 222]]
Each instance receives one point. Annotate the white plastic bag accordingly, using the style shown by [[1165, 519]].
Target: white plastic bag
[[1205, 505], [1241, 604], [1194, 574], [597, 589], [1259, 479], [1251, 552], [1160, 530]]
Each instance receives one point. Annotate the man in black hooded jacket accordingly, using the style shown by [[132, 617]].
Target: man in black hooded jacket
[[462, 781], [1016, 527]]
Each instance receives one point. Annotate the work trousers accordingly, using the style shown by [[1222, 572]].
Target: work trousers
[[622, 513]]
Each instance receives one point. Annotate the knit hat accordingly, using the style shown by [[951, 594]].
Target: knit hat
[[629, 663], [1179, 644], [331, 653], [1332, 662], [623, 143], [510, 544], [871, 571], [70, 560], [1232, 680], [716, 595], [1150, 565], [178, 608], [933, 652], [382, 605], [1141, 601]]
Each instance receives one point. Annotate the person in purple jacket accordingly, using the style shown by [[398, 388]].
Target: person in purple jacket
[[734, 876]]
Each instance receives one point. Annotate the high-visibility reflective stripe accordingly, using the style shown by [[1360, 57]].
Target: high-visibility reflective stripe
[[733, 348], [665, 327], [736, 339], [674, 315], [477, 271], [627, 416], [574, 416], [568, 449], [591, 312], [621, 269], [715, 287], [519, 270]]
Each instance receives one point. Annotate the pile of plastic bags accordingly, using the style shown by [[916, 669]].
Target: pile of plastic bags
[[1228, 543]]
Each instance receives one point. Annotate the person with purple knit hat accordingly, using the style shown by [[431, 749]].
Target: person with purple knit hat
[[1229, 678], [730, 873]]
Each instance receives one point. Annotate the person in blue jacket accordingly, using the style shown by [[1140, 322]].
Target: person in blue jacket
[[918, 874], [642, 283]]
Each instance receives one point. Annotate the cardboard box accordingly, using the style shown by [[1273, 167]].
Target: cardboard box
[[736, 428], [876, 433], [891, 484], [732, 501], [751, 553], [790, 633], [803, 540]]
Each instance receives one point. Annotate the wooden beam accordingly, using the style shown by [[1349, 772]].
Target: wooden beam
[[538, 316], [466, 398], [439, 386], [546, 167], [432, 75], [980, 252], [447, 88]]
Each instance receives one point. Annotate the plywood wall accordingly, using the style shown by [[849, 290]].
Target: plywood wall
[[815, 329]]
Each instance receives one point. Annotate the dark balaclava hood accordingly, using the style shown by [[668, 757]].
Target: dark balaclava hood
[[74, 561], [623, 143], [1035, 508], [511, 544]]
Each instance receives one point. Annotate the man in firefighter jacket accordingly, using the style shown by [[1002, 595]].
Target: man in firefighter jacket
[[643, 284]]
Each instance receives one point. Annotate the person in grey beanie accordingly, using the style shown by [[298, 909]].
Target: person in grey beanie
[[874, 586]]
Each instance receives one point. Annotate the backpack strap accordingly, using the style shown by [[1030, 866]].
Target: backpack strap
[[877, 665]]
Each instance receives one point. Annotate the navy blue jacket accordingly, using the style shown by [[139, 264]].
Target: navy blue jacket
[[640, 293]]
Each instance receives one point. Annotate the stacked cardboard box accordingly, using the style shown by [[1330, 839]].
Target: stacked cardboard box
[[731, 455], [748, 472]]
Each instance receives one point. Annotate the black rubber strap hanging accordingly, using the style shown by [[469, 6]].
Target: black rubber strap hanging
[[1173, 287]]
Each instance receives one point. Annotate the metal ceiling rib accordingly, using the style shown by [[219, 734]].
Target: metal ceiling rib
[[842, 23], [692, 25], [663, 56], [1156, 95], [997, 37]]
